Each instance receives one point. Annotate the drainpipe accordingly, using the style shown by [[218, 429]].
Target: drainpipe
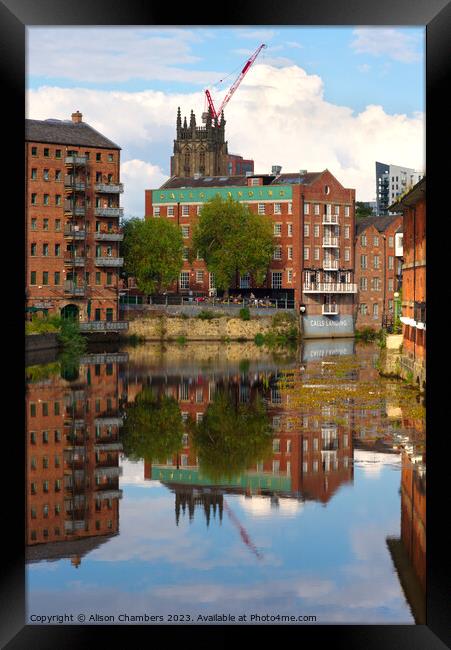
[[384, 278], [414, 278], [301, 236], [178, 225]]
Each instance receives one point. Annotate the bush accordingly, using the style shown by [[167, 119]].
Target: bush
[[366, 334], [283, 318], [245, 314], [206, 314], [181, 340], [259, 339]]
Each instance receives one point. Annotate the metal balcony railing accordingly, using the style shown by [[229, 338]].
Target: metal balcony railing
[[109, 236], [330, 242], [330, 265], [74, 260], [77, 210], [330, 287], [108, 212], [330, 310], [330, 219], [108, 446], [76, 160], [70, 183], [71, 287], [103, 326], [110, 472], [110, 188], [109, 421], [109, 494], [109, 261], [74, 233], [71, 526]]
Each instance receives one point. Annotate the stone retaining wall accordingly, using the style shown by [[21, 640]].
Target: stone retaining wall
[[34, 342]]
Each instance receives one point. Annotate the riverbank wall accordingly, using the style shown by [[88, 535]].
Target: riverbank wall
[[394, 363], [222, 328], [39, 342]]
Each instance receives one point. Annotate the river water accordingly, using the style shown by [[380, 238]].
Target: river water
[[224, 483]]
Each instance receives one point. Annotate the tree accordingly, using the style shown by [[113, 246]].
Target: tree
[[362, 211], [153, 428], [152, 250], [232, 239], [231, 437]]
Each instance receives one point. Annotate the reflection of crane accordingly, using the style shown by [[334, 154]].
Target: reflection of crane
[[216, 114], [243, 533]]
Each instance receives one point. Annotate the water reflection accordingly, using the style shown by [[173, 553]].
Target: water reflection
[[242, 451]]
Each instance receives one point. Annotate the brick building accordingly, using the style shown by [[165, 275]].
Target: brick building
[[378, 269], [72, 443], [313, 219], [72, 219], [413, 207], [239, 166]]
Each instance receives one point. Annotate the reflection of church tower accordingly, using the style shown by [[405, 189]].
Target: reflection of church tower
[[187, 497], [199, 149]]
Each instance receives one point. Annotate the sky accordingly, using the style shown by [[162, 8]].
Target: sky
[[316, 97]]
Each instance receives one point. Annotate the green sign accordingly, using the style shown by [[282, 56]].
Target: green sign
[[241, 193], [194, 477]]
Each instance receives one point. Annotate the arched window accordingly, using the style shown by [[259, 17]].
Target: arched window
[[186, 166]]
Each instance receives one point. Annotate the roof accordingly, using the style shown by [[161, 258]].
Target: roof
[[380, 223], [66, 132], [411, 198], [221, 181], [52, 551]]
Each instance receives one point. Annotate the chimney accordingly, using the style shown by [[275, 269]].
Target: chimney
[[76, 117]]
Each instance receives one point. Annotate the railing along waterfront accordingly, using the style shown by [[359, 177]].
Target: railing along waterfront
[[103, 326], [330, 287]]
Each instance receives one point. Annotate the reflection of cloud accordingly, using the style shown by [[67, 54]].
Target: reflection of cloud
[[133, 474], [372, 462], [259, 506]]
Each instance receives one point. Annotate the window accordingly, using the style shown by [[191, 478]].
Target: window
[[375, 310], [277, 253], [290, 208], [306, 252], [57, 199], [34, 174], [289, 275], [58, 174], [390, 305], [306, 208], [33, 277], [376, 262], [34, 151], [185, 232], [277, 230], [34, 224], [45, 486], [306, 230], [390, 242], [346, 232], [98, 157], [185, 253], [390, 284], [110, 157], [375, 240], [290, 229], [57, 225], [57, 153], [376, 284], [364, 284], [34, 199], [199, 277], [363, 240], [305, 444], [276, 279], [276, 441], [363, 309], [346, 210], [316, 208], [57, 250], [57, 278], [45, 175], [184, 280], [45, 224], [156, 211], [45, 250], [170, 212], [185, 210], [33, 250], [363, 261], [390, 262], [316, 253], [336, 209], [46, 199], [261, 208], [46, 152], [45, 277], [290, 252], [347, 256], [277, 208], [98, 277], [316, 230], [109, 278]]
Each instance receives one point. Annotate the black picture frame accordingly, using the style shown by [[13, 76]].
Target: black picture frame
[[435, 15]]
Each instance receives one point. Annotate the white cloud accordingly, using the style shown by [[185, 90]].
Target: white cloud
[[138, 175], [387, 42], [364, 67], [295, 44], [262, 35], [278, 116]]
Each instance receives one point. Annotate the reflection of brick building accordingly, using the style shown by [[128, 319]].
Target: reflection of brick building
[[413, 206], [73, 456], [378, 270], [72, 219]]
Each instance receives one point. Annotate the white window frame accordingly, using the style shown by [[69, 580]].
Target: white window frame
[[184, 279], [290, 275], [306, 230], [185, 210], [289, 252], [261, 208], [277, 208], [277, 254], [316, 230], [185, 232], [279, 274], [199, 277], [306, 208], [316, 254], [316, 208], [170, 211], [290, 229], [277, 230], [306, 252], [156, 210]]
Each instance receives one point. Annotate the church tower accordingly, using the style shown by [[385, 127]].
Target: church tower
[[199, 149]]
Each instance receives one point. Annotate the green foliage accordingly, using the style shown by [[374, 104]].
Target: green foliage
[[362, 211], [259, 339], [231, 436], [232, 239], [152, 250], [181, 340], [366, 334], [42, 372], [134, 340], [284, 318], [43, 325], [153, 428], [245, 314], [206, 314]]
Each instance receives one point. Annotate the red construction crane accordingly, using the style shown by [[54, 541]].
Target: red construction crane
[[243, 533], [216, 114]]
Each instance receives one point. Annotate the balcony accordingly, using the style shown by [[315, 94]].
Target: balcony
[[71, 287], [329, 287], [74, 260], [330, 310], [330, 219], [330, 265], [72, 526], [74, 233], [109, 236], [76, 160], [109, 472], [76, 210], [70, 183], [330, 242], [112, 421], [109, 212], [108, 446], [109, 188], [109, 494], [104, 326], [109, 261]]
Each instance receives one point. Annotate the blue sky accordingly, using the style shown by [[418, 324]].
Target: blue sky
[[322, 82]]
